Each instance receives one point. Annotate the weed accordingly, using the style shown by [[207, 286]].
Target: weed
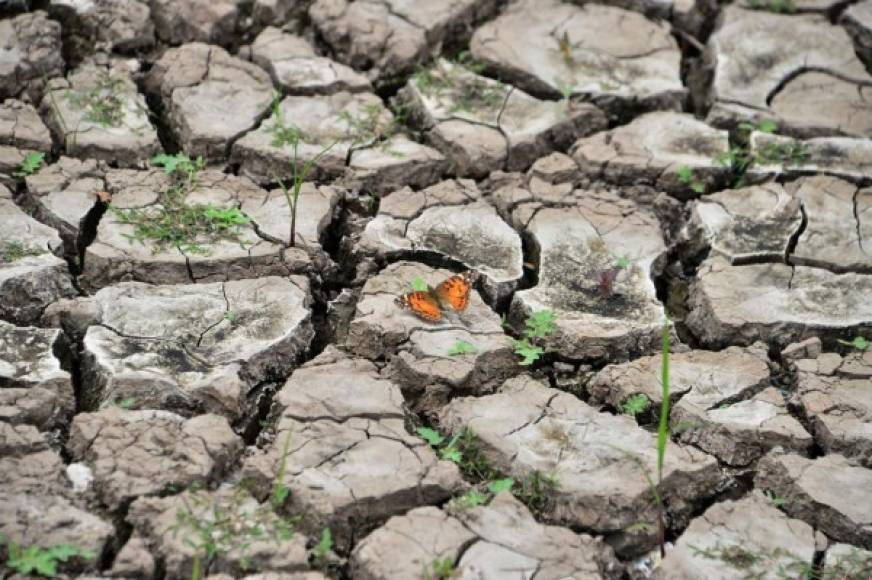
[[685, 176], [538, 327], [464, 449], [174, 222], [126, 403], [42, 561], [739, 158], [636, 404], [470, 499], [292, 194], [461, 347], [231, 316], [368, 126], [280, 491], [31, 164], [777, 6], [775, 500], [499, 485], [440, 570], [282, 134], [12, 250], [663, 433], [324, 546], [103, 104], [859, 343], [536, 490], [213, 526], [467, 92]]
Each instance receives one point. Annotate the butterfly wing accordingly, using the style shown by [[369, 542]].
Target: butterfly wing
[[455, 290], [422, 304]]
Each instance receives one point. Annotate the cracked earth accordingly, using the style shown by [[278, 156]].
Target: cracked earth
[[256, 404]]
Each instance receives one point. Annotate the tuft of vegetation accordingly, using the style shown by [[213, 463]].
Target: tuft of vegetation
[[739, 158], [635, 405], [539, 326], [419, 284], [467, 93], [31, 164], [282, 133], [322, 549], [858, 343], [775, 500], [103, 104], [464, 449], [216, 526], [42, 561], [12, 250], [126, 403], [470, 499], [777, 6], [685, 175], [441, 569], [536, 490], [662, 435], [174, 222], [462, 347], [280, 491]]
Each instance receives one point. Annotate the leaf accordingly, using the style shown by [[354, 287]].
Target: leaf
[[859, 343], [462, 347], [451, 453], [431, 436], [325, 544], [636, 404], [419, 284], [499, 485], [30, 164], [623, 262], [169, 162], [684, 173], [540, 324], [767, 126], [471, 499], [528, 352]]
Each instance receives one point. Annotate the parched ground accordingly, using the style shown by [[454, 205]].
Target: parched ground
[[197, 381]]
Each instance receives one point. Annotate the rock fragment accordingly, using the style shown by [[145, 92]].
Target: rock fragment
[[30, 49]]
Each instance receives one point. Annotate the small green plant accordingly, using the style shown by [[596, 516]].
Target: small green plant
[[685, 176], [635, 404], [11, 251], [739, 157], [324, 546], [419, 284], [31, 164], [467, 93], [126, 403], [367, 127], [663, 434], [775, 500], [538, 327], [536, 490], [282, 134], [440, 570], [231, 316], [461, 347], [470, 499], [42, 561], [174, 222], [103, 104], [280, 490], [499, 485], [214, 526], [464, 449], [777, 6], [858, 343]]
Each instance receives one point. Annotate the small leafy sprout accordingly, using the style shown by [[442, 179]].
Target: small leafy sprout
[[31, 164], [280, 490], [775, 500], [622, 262], [126, 403], [440, 570], [433, 437], [43, 561], [103, 104], [13, 250], [635, 404], [859, 343], [419, 284], [538, 327], [230, 316], [536, 490], [685, 176], [282, 134], [322, 549], [470, 499], [461, 347], [499, 485], [463, 448]]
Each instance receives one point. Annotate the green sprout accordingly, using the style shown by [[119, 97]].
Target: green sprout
[[31, 164]]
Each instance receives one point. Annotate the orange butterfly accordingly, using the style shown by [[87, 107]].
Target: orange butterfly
[[428, 304]]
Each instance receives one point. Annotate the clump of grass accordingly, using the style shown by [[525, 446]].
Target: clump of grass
[[31, 164], [739, 157], [216, 526], [538, 327], [41, 561], [103, 104], [12, 250], [174, 222]]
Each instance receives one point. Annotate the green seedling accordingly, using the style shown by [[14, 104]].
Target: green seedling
[[499, 485], [11, 251], [126, 403], [419, 284], [635, 404], [103, 104], [775, 500], [685, 176], [42, 561], [280, 490], [539, 326], [470, 499], [324, 546], [440, 570], [461, 347], [31, 164], [663, 432], [858, 343]]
